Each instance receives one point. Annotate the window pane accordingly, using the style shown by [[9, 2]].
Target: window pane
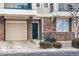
[[61, 6], [18, 6], [51, 7], [23, 5], [62, 25], [38, 5], [45, 4]]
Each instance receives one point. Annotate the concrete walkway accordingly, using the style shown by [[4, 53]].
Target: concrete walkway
[[66, 45]]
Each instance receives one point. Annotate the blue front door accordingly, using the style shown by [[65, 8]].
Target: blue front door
[[34, 30]]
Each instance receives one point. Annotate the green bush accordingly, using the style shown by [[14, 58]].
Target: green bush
[[75, 43], [50, 39], [45, 44], [57, 45]]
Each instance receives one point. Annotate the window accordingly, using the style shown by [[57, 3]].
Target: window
[[62, 25], [23, 5], [51, 7], [45, 4], [38, 5], [66, 7], [61, 6], [27, 6]]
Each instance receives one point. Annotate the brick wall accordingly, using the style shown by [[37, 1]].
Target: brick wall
[[49, 26], [61, 36]]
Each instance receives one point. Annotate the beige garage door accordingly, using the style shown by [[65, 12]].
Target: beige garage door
[[16, 31]]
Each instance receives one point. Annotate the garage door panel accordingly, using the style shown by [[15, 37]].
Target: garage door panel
[[16, 31]]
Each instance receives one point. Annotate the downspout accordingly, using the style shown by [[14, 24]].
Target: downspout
[[4, 29], [42, 22], [42, 29]]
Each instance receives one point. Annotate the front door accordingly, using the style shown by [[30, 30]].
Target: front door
[[34, 30]]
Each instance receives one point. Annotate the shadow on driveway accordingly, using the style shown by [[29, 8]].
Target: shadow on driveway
[[74, 53]]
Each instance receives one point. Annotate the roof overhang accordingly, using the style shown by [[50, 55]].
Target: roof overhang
[[17, 13]]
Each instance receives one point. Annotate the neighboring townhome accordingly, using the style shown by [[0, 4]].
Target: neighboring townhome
[[34, 21]]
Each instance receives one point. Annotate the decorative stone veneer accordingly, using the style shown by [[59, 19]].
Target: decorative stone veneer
[[50, 27]]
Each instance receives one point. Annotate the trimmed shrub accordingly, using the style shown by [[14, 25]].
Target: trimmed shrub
[[57, 45], [45, 44], [75, 43], [50, 39]]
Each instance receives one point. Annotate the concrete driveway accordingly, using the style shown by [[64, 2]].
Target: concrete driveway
[[17, 45], [26, 48], [29, 46]]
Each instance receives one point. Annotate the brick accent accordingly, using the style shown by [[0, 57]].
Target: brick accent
[[1, 28], [62, 36]]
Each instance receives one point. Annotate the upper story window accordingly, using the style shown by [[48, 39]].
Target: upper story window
[[18, 6], [68, 6], [51, 7], [62, 25], [45, 5], [61, 6], [24, 6], [38, 5]]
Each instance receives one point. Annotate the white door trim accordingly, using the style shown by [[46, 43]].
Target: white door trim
[[38, 26]]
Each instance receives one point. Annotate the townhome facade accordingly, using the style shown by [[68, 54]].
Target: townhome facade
[[32, 21]]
